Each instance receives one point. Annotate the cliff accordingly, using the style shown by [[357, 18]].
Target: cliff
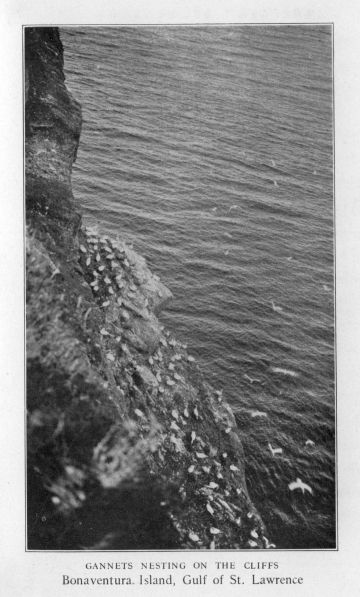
[[128, 446]]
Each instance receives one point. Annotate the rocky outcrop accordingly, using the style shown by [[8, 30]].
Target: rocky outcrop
[[52, 128], [128, 446]]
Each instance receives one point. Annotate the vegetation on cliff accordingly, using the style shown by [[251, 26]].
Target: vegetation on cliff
[[128, 446]]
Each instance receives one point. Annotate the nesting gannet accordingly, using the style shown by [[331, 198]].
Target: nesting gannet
[[252, 543], [258, 413], [299, 484], [309, 442], [55, 272], [274, 451]]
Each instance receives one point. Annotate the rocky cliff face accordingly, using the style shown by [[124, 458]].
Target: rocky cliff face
[[128, 446]]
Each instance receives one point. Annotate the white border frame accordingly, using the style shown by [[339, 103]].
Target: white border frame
[[325, 573]]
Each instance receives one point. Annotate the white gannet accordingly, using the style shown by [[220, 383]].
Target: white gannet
[[274, 451], [251, 379], [284, 371], [56, 271], [309, 442], [258, 413], [276, 308], [299, 484]]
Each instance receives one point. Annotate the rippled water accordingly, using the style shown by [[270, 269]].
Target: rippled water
[[210, 148]]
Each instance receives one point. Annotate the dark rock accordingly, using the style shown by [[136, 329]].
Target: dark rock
[[146, 378], [52, 129]]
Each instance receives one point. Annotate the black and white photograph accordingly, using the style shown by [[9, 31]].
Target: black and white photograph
[[180, 287]]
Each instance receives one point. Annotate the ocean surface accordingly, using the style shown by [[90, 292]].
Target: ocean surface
[[211, 150]]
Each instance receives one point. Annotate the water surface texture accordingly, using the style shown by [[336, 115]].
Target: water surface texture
[[210, 148]]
